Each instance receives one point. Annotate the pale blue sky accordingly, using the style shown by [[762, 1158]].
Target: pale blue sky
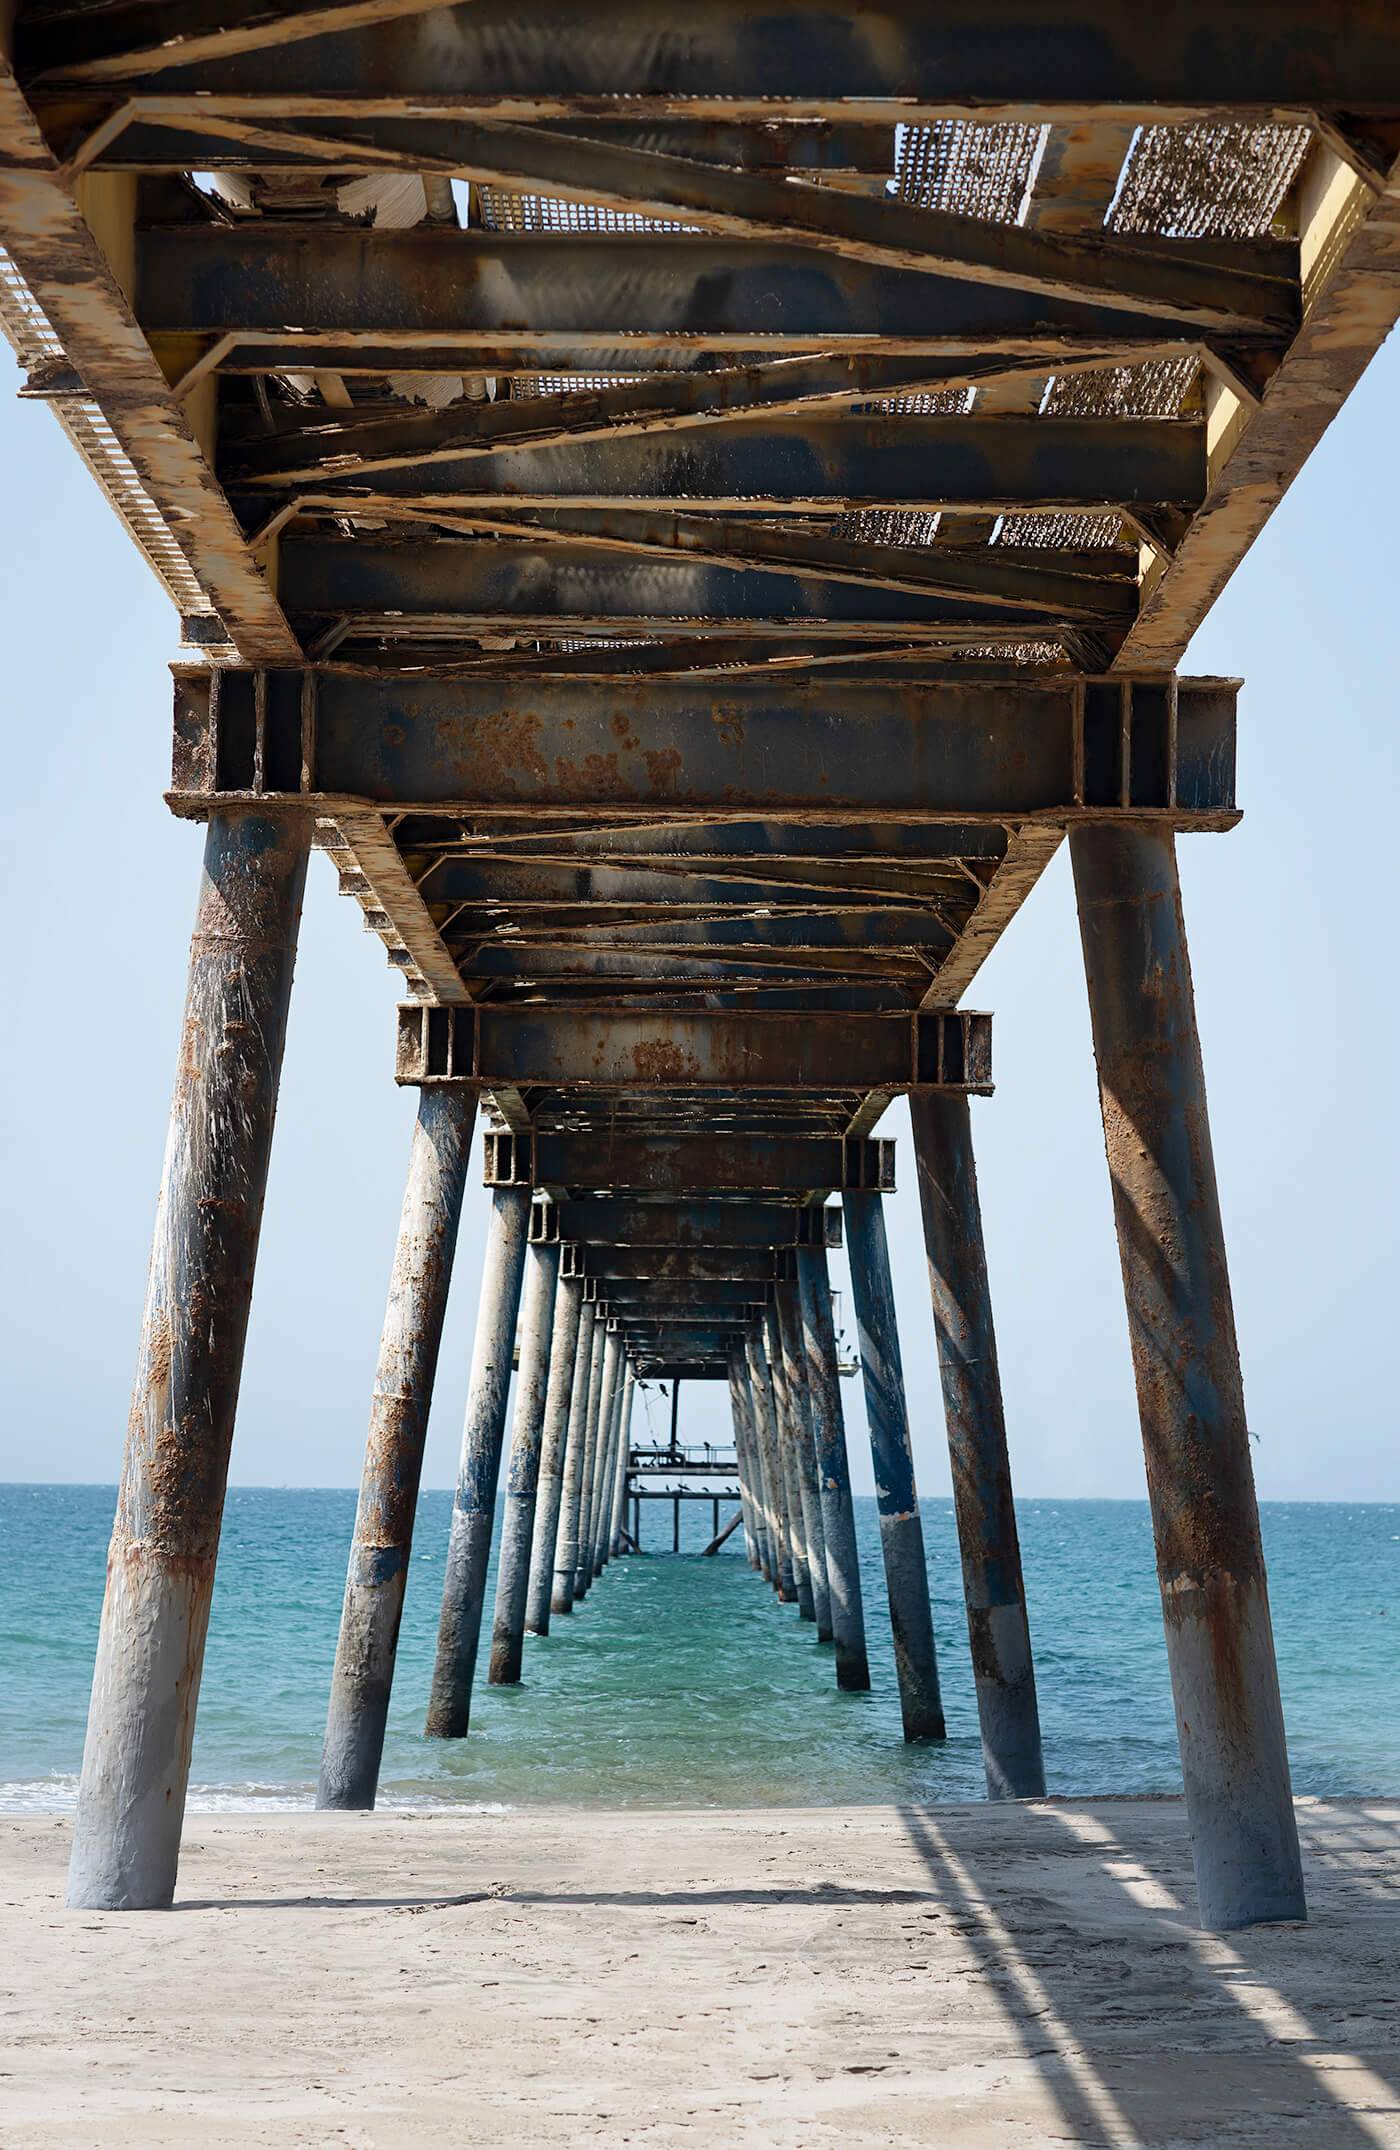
[[1291, 921]]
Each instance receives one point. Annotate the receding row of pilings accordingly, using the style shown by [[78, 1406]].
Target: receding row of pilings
[[570, 1453]]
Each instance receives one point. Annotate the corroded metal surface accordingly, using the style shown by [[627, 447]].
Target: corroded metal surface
[[523, 1472], [901, 1527], [382, 1546], [993, 1588], [1200, 1481], [833, 1473], [474, 1504], [160, 1569]]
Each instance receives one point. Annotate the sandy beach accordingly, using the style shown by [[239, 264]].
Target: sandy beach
[[965, 1976]]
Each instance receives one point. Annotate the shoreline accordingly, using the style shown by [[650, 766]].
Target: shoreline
[[973, 1976]]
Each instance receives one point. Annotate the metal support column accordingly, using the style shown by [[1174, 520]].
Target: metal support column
[[624, 1443], [997, 1627], [795, 1375], [382, 1546], [566, 1542], [743, 1450], [474, 1507], [160, 1569], [766, 1428], [786, 1420], [605, 1478], [833, 1473], [563, 1356], [1210, 1563], [603, 1360], [523, 1468], [901, 1528]]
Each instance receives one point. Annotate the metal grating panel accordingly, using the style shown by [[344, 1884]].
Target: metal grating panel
[[1063, 532], [886, 526], [549, 212], [573, 384], [1207, 182], [969, 168], [1155, 390]]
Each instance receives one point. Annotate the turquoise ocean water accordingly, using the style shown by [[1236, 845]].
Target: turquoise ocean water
[[681, 1681]]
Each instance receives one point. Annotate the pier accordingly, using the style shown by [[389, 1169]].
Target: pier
[[689, 509]]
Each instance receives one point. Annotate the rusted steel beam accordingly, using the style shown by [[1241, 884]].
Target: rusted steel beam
[[170, 138], [566, 1538], [800, 1406], [531, 1044], [901, 1526], [881, 855], [326, 445], [833, 1472], [1220, 1647], [687, 1165], [963, 750], [643, 569], [160, 1569], [523, 1471], [90, 43], [202, 556], [444, 584], [822, 464], [697, 1226], [563, 1357], [1223, 285], [382, 1547], [324, 285], [609, 1266], [982, 58], [646, 1300], [474, 1505], [1351, 294], [993, 1587]]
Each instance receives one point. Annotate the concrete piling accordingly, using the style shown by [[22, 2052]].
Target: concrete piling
[[160, 1568], [833, 1473], [1210, 1563], [998, 1629], [474, 1504], [563, 1357], [382, 1546], [901, 1528], [523, 1467]]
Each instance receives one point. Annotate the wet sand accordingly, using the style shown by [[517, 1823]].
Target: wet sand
[[962, 1976]]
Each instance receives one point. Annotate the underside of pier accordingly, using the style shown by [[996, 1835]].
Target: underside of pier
[[690, 508]]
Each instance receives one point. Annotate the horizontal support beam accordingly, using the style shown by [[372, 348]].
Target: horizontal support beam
[[677, 1302], [610, 1267], [785, 747], [626, 566], [1223, 285], [567, 1047], [687, 1165], [567, 587], [332, 284], [315, 446], [823, 464], [549, 58], [648, 1229]]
